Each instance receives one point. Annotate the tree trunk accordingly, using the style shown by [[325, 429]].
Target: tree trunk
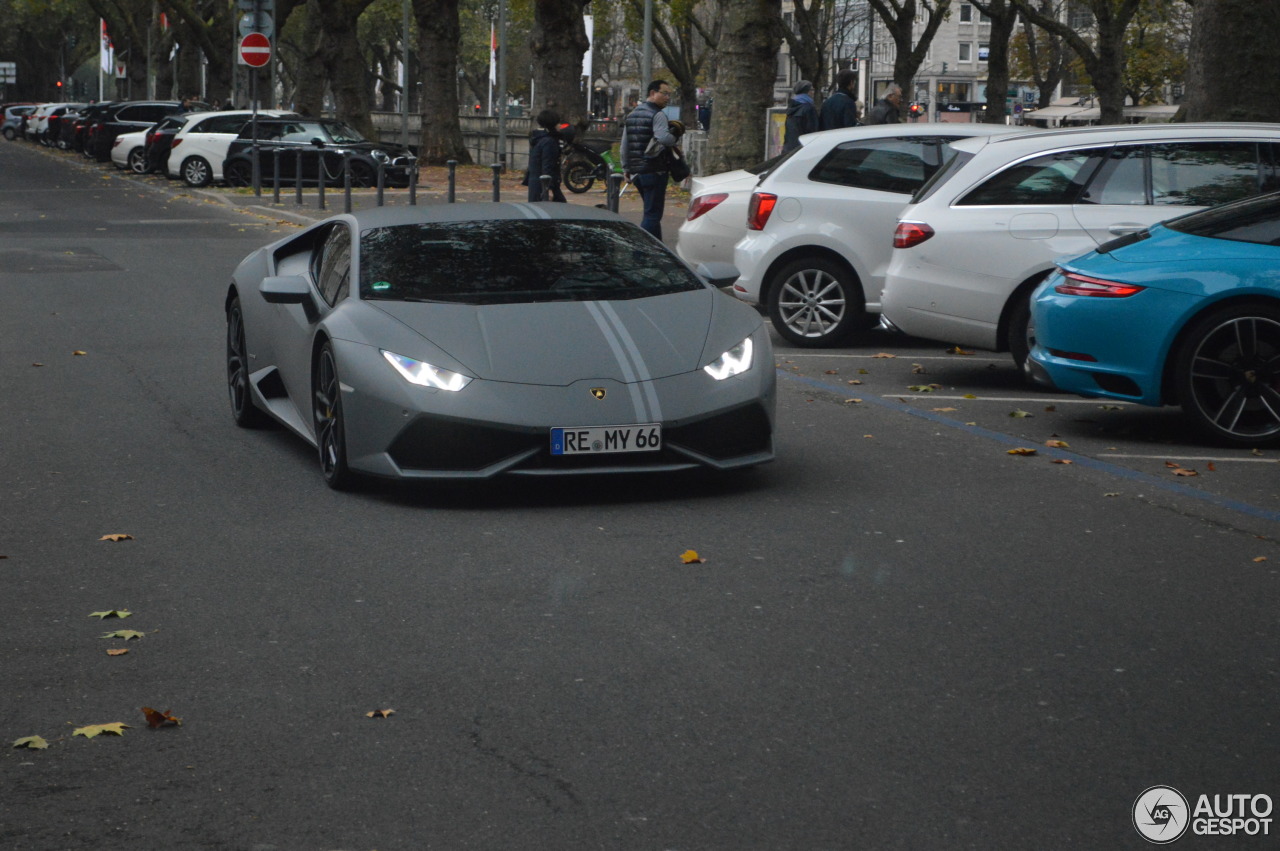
[[438, 33], [747, 60], [1233, 73], [558, 42], [309, 97], [1004, 17], [900, 18], [344, 63]]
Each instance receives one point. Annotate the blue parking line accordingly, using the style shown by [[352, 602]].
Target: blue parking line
[[1084, 461]]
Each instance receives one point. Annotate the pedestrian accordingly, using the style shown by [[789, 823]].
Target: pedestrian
[[544, 158], [647, 140], [841, 108], [802, 116], [886, 109]]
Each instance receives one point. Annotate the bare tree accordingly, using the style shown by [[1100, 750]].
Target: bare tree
[[747, 59], [899, 17], [1004, 18], [1233, 73], [558, 42], [809, 39], [685, 35], [438, 52], [1103, 56], [1041, 56]]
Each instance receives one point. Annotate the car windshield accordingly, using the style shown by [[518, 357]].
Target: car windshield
[[338, 132], [1256, 220], [517, 261]]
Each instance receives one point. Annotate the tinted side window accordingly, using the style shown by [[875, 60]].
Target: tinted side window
[[1121, 178], [1203, 174], [335, 265], [1046, 179], [886, 165], [1255, 220]]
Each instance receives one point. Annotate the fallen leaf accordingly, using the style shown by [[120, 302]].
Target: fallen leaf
[[691, 557], [956, 350], [917, 369], [1022, 450], [852, 401], [868, 372], [869, 435], [1063, 461], [126, 634], [921, 388], [1258, 559], [1211, 468], [37, 364], [832, 372], [1172, 465], [1110, 408], [1049, 409], [1111, 494], [116, 728], [1256, 451], [944, 410], [160, 719], [380, 713], [970, 396], [116, 537], [117, 651], [1019, 413], [853, 381], [114, 613], [79, 353], [1183, 471], [36, 743], [883, 355], [1057, 444]]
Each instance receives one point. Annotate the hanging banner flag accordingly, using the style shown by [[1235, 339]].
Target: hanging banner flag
[[493, 56], [106, 53], [589, 23], [164, 21]]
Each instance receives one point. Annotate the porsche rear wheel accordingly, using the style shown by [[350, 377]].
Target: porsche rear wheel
[[331, 436], [243, 411]]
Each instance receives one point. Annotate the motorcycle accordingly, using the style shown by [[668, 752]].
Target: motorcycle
[[583, 163]]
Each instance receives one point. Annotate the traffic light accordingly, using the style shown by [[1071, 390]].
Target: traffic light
[[916, 110], [58, 86]]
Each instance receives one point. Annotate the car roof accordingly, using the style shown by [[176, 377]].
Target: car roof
[[1102, 134], [932, 128], [379, 217]]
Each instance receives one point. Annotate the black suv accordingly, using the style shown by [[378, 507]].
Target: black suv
[[319, 146], [127, 117]]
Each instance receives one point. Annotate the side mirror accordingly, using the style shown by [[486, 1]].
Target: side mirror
[[318, 142], [717, 274], [285, 289]]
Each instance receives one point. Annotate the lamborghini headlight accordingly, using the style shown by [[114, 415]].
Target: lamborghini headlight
[[424, 374], [733, 362]]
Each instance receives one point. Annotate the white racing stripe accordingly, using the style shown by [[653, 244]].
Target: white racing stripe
[[642, 369], [628, 372]]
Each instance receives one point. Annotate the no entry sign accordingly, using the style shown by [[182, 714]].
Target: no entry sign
[[255, 50]]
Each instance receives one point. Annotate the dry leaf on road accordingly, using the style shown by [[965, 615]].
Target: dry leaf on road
[[1021, 450], [35, 743], [156, 718], [380, 713], [116, 537], [691, 557], [116, 728], [114, 613]]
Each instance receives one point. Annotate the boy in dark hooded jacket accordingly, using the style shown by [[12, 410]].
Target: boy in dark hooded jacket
[[544, 157]]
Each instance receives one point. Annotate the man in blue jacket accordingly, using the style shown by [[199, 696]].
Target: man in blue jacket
[[841, 108]]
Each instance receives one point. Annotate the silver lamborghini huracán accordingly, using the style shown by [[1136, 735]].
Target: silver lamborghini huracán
[[473, 340]]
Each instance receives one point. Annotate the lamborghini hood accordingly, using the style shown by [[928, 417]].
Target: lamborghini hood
[[561, 342]]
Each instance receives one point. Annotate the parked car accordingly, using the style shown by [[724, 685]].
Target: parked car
[[126, 117], [717, 216], [160, 143], [35, 120], [84, 126], [468, 341], [198, 149], [13, 119], [51, 132], [978, 240], [820, 224], [318, 147], [1185, 313], [129, 151]]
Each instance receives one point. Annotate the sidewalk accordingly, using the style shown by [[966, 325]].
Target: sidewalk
[[474, 184]]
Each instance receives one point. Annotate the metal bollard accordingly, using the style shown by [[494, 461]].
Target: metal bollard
[[382, 172], [257, 171], [346, 181], [275, 176], [453, 181], [320, 182], [297, 181], [613, 192], [413, 184], [545, 179], [497, 187]]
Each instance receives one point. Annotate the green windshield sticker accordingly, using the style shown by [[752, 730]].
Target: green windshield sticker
[[382, 285]]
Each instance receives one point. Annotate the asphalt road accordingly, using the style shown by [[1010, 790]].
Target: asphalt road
[[901, 636]]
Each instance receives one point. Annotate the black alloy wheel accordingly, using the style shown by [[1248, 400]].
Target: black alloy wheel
[[331, 436], [238, 173], [243, 411], [363, 175], [1228, 374]]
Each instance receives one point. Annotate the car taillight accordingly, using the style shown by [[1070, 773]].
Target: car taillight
[[1086, 286], [177, 140], [910, 234], [117, 142], [760, 208], [705, 203]]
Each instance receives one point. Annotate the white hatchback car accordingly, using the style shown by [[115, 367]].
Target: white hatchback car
[[717, 216], [820, 224], [129, 151], [978, 239], [200, 147]]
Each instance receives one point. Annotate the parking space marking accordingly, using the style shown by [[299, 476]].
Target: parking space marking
[[787, 354], [1190, 458], [1050, 400]]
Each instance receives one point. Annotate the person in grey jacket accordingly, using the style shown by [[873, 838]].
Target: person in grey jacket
[[886, 109], [802, 116], [841, 108]]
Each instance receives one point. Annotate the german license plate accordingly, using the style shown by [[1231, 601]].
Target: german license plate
[[606, 439]]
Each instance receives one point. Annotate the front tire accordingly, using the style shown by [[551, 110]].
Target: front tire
[[243, 411], [331, 436], [363, 175], [238, 173], [138, 161], [1228, 374], [816, 302], [196, 172]]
